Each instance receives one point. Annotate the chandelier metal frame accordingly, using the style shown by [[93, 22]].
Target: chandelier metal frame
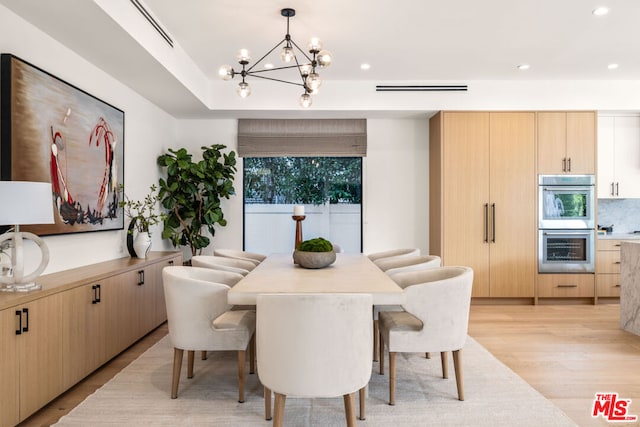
[[309, 79]]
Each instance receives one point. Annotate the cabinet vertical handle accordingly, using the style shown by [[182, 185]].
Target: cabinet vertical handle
[[140, 277], [564, 164], [94, 300], [569, 164], [19, 330], [493, 222], [99, 293], [617, 188], [613, 193], [26, 313], [486, 222]]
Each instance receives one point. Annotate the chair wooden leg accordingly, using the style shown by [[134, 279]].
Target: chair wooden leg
[[363, 403], [252, 354], [381, 354], [376, 340], [392, 378], [350, 409], [177, 366], [241, 361], [203, 356], [190, 355], [267, 404], [457, 366], [278, 410], [445, 364]]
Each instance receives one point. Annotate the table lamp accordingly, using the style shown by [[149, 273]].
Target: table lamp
[[24, 203]]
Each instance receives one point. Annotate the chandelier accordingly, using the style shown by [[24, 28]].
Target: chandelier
[[306, 65]]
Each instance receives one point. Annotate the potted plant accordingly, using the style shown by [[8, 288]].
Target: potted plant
[[143, 215], [192, 194], [314, 253]]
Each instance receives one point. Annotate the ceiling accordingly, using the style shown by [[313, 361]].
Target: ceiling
[[421, 41]]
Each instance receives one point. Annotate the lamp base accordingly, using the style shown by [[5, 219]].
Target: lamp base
[[23, 287]]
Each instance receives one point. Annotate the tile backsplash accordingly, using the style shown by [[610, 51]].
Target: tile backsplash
[[624, 214]]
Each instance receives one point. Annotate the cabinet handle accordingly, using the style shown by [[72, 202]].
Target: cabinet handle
[[99, 292], [26, 313], [140, 277], [19, 330], [613, 193], [95, 299], [171, 262], [564, 164], [567, 286], [493, 222], [569, 164], [617, 262], [486, 222], [618, 245], [617, 286], [617, 188]]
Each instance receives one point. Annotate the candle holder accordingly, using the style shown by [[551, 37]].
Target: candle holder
[[298, 219]]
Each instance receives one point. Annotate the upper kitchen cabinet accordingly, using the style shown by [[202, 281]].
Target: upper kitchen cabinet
[[482, 198], [618, 157], [566, 142]]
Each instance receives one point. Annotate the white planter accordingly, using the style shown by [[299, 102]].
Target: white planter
[[142, 244]]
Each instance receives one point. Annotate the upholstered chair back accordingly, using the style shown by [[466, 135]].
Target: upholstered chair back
[[223, 263], [393, 253], [440, 299], [394, 265], [228, 278], [243, 255], [314, 345]]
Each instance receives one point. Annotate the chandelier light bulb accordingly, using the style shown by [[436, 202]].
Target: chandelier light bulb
[[287, 54], [324, 58], [313, 81], [244, 56], [305, 69], [244, 90], [305, 100], [225, 72], [315, 45]]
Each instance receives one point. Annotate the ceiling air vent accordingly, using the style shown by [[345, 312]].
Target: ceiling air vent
[[420, 88], [152, 21]]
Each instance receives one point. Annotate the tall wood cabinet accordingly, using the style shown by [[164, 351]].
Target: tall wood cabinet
[[483, 198], [51, 339], [566, 142]]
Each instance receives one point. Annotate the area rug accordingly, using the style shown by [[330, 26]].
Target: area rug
[[139, 395]]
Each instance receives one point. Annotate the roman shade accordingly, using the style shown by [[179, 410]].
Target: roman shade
[[302, 138]]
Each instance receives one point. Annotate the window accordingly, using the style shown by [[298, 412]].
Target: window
[[330, 188]]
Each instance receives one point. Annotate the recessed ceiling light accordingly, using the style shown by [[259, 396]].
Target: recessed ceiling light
[[365, 66], [268, 66], [612, 66], [600, 11], [524, 66]]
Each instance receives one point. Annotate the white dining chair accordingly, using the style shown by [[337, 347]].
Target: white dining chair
[[199, 319], [253, 257], [435, 319], [393, 266], [314, 345], [394, 253], [223, 263]]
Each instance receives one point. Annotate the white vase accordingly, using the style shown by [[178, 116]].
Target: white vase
[[142, 244]]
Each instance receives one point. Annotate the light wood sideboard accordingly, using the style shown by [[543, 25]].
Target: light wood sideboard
[[53, 338]]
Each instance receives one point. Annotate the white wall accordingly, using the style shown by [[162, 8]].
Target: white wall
[[396, 185], [148, 131]]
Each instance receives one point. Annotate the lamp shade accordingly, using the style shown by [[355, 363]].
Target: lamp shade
[[23, 202]]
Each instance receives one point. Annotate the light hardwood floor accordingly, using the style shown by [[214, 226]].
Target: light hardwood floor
[[566, 352]]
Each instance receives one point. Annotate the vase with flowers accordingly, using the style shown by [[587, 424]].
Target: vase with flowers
[[143, 215]]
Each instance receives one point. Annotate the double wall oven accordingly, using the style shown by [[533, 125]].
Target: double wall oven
[[566, 223]]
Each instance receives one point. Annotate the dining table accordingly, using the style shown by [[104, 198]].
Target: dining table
[[350, 273]]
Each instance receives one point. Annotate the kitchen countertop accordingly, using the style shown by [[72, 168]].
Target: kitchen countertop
[[619, 236]]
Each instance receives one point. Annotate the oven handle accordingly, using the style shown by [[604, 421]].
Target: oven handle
[[573, 188], [568, 233]]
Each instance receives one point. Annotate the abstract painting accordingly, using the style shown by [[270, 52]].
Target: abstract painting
[[54, 132]]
